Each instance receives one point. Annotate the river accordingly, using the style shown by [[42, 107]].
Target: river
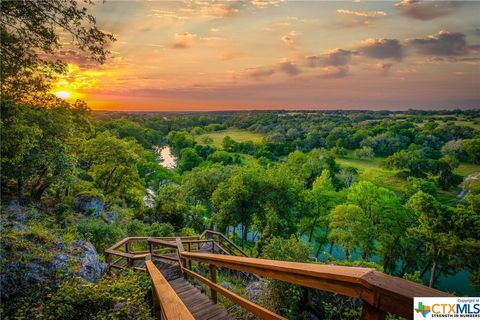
[[166, 160], [165, 157]]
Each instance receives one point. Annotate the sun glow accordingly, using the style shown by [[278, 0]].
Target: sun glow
[[62, 94]]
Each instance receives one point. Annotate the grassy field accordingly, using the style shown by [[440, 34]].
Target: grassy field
[[465, 169], [370, 170], [466, 123], [235, 134], [360, 164]]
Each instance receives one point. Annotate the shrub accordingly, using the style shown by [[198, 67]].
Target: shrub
[[365, 153], [136, 228], [99, 233], [289, 250], [186, 231], [122, 297], [223, 157], [158, 229], [418, 184]]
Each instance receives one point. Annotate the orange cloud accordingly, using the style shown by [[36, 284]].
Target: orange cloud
[[184, 40], [352, 18]]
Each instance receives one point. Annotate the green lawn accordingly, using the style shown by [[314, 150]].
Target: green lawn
[[465, 169], [384, 178], [235, 134], [370, 170], [360, 164], [466, 123]]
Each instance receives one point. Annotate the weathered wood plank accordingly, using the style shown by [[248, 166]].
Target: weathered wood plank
[[172, 306]]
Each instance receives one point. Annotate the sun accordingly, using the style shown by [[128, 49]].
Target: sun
[[62, 94]]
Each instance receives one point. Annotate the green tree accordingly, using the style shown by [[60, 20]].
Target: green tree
[[179, 140], [418, 184], [39, 146], [170, 207], [189, 159], [317, 204], [347, 228], [223, 157], [471, 149], [229, 144], [364, 153], [200, 183], [385, 218], [307, 167], [99, 233], [236, 200], [375, 220], [32, 32], [112, 165], [278, 195], [290, 249], [431, 229]]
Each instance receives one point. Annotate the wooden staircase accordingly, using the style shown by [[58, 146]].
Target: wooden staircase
[[199, 305], [170, 266]]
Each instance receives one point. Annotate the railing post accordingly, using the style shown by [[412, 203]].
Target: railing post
[[213, 277], [369, 312], [189, 260], [213, 246], [108, 261]]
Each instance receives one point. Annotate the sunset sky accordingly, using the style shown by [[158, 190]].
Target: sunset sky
[[272, 54]]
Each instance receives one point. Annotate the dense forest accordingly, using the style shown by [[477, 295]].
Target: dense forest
[[395, 191]]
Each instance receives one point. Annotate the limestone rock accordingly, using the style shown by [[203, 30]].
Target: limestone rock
[[92, 205]]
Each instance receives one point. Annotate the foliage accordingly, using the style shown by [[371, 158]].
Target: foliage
[[189, 159], [179, 140], [373, 215], [124, 128], [170, 207], [418, 184], [365, 153], [235, 200], [99, 233], [283, 189], [136, 228], [289, 250], [38, 146], [471, 150], [224, 157], [112, 165], [122, 297], [32, 32]]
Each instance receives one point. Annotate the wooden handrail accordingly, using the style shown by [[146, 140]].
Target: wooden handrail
[[230, 242], [130, 239], [248, 305], [379, 291], [120, 253], [172, 307], [163, 242]]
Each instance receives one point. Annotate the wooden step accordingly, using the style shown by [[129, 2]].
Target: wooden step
[[201, 306]]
